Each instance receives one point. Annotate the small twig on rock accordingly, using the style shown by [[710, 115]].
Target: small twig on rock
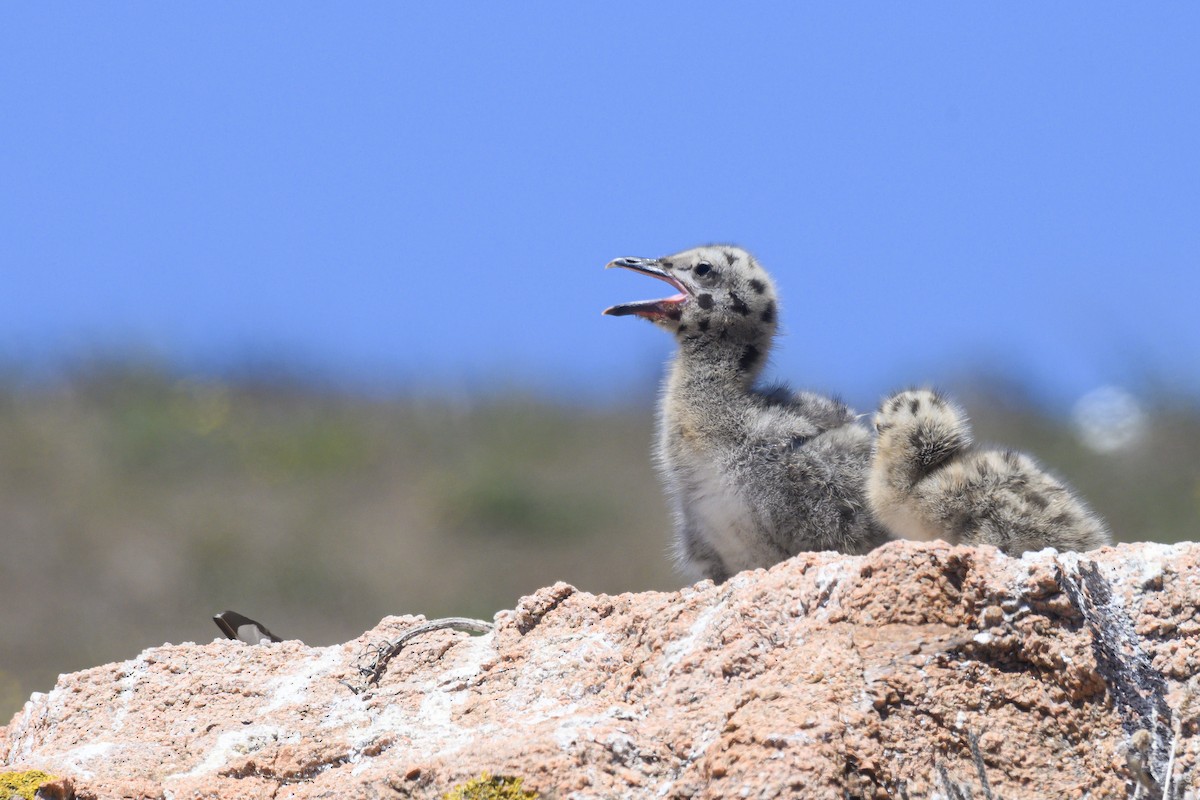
[[1170, 767], [977, 757], [956, 791], [385, 652]]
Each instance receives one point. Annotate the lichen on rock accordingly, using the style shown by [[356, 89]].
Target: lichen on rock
[[491, 787], [23, 784]]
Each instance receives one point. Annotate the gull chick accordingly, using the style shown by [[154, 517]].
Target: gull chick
[[753, 476], [928, 481]]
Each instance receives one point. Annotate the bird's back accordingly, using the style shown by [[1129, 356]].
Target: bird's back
[[1006, 499]]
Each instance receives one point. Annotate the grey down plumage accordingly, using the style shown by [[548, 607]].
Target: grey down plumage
[[929, 481], [754, 476]]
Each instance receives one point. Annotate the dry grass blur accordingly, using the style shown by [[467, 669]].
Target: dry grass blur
[[135, 504]]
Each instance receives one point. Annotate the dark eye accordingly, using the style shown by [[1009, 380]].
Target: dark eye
[[703, 268]]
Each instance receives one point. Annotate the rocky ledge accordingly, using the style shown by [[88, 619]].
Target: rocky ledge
[[918, 670]]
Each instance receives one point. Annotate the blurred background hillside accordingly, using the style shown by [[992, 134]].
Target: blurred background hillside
[[300, 306]]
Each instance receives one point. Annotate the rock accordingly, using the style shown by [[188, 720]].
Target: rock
[[917, 670]]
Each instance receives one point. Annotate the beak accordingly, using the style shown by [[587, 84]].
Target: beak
[[651, 309], [650, 266]]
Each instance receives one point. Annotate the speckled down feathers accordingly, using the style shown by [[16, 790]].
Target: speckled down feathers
[[928, 481], [753, 476]]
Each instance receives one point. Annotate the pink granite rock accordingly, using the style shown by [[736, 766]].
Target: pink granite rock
[[917, 670]]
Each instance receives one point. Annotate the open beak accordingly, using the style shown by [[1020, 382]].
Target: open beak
[[666, 308]]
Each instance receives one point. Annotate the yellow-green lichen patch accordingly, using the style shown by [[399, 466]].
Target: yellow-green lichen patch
[[488, 787], [22, 784]]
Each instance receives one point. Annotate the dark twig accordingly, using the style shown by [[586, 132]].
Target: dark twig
[[977, 757], [386, 651], [955, 791]]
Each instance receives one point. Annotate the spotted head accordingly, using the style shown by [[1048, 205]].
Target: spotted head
[[724, 297], [918, 429]]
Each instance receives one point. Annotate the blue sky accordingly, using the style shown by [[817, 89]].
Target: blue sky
[[423, 195]]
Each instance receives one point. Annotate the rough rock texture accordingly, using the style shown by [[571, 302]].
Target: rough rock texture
[[917, 670]]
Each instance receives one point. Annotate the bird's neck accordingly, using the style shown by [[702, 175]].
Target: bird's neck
[[716, 368]]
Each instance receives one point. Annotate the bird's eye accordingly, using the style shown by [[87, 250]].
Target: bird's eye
[[703, 268]]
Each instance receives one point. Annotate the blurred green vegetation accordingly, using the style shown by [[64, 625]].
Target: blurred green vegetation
[[135, 503]]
